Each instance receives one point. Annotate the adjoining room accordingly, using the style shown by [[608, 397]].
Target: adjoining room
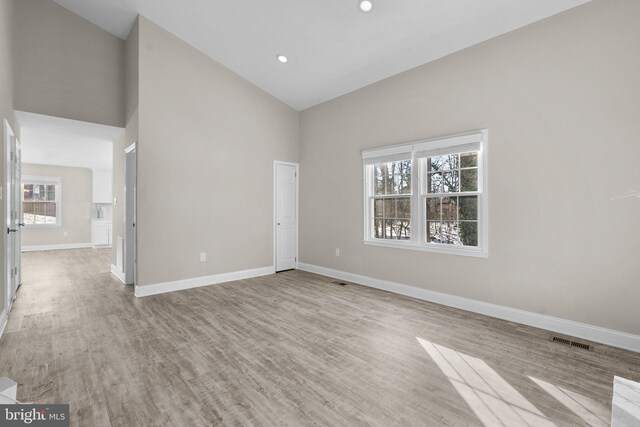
[[67, 178]]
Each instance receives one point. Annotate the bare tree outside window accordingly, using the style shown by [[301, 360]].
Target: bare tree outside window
[[451, 205], [429, 195], [391, 201]]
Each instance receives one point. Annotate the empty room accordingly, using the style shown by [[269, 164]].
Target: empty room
[[320, 213]]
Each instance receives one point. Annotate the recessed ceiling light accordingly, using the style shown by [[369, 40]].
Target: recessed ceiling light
[[282, 58], [366, 5]]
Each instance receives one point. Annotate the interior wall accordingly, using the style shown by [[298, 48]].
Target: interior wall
[[67, 66], [76, 191], [117, 225], [132, 72], [6, 103], [207, 142], [129, 136], [561, 101]]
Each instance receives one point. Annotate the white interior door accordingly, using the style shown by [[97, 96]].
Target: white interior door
[[13, 217], [18, 215], [286, 215]]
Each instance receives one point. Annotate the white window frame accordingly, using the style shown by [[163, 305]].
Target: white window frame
[[33, 179], [417, 151]]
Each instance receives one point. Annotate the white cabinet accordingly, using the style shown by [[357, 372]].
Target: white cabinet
[[102, 186], [100, 233]]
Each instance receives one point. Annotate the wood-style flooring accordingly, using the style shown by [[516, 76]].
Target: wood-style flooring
[[291, 349]]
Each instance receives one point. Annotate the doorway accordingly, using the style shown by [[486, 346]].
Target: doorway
[[285, 204], [66, 192]]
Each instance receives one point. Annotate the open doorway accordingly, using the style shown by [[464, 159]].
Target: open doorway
[[66, 190]]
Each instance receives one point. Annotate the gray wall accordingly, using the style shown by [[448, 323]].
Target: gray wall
[[207, 142], [117, 227], [6, 69], [561, 99], [6, 102], [132, 72], [76, 207], [67, 66], [130, 135]]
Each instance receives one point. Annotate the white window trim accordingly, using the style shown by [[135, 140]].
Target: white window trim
[[418, 241], [33, 179]]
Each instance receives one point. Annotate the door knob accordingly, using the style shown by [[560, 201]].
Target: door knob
[[21, 224], [11, 230], [278, 223]]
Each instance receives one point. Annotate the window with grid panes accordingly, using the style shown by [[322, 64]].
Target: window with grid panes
[[451, 199], [41, 201], [428, 195], [391, 200]]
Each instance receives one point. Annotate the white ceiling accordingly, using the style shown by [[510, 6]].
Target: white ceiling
[[62, 142], [333, 48]]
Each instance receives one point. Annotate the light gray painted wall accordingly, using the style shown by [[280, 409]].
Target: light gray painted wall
[[207, 142], [130, 135], [67, 66], [117, 225], [6, 102], [6, 67], [561, 99], [76, 207], [132, 72]]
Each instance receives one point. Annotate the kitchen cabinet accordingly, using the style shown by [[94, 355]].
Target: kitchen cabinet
[[101, 233]]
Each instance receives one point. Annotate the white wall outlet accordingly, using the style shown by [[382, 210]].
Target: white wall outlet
[[203, 256], [337, 251], [65, 234]]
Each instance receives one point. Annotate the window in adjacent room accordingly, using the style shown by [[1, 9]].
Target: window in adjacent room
[[428, 195], [41, 201]]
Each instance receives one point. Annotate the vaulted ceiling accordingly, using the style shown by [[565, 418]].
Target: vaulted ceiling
[[333, 47]]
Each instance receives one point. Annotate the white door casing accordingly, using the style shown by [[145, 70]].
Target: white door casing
[[130, 215], [12, 211], [286, 215]]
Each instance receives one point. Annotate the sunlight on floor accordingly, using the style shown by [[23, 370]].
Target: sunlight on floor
[[626, 402], [592, 412], [492, 399]]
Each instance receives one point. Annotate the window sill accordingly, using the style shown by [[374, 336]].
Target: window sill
[[430, 247]]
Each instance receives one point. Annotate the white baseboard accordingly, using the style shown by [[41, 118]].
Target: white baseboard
[[4, 318], [116, 272], [555, 324], [196, 282], [55, 247]]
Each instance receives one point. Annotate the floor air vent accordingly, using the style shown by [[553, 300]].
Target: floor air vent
[[571, 343], [580, 345], [561, 340]]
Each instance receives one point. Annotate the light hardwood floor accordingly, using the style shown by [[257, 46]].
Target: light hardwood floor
[[288, 349]]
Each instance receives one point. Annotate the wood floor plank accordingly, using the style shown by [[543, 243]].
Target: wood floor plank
[[288, 349]]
